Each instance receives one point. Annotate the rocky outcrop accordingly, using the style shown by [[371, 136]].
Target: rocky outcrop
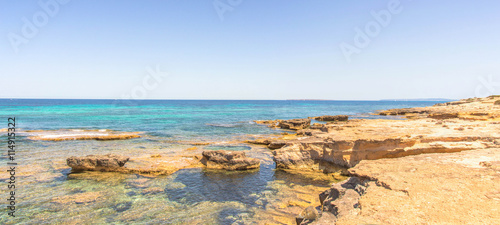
[[75, 134], [331, 118], [347, 143], [467, 109], [451, 188], [109, 163], [343, 198], [293, 124], [276, 144], [229, 160]]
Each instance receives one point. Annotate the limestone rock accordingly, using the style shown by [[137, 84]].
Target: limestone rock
[[294, 124], [259, 141], [107, 162], [439, 188], [276, 144], [331, 118], [229, 160], [343, 198]]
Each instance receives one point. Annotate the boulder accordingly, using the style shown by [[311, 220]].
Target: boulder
[[308, 215], [229, 160], [331, 118], [294, 124], [276, 144], [107, 162], [259, 141], [343, 198]]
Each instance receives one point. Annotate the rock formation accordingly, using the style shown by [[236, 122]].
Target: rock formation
[[443, 188], [438, 131], [75, 134], [331, 118], [109, 163], [293, 124], [229, 160]]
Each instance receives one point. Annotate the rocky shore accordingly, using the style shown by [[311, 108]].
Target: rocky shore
[[410, 171], [427, 165]]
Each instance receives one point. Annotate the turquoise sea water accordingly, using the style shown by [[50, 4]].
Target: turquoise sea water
[[190, 196]]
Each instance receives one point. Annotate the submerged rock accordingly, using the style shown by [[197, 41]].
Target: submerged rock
[[229, 160], [109, 163], [79, 198], [308, 215]]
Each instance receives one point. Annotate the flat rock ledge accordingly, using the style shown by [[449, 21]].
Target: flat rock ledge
[[229, 160], [443, 188], [103, 163]]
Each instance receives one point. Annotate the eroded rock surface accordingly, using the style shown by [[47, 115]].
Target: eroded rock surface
[[109, 163], [331, 118], [229, 160], [293, 124], [348, 143]]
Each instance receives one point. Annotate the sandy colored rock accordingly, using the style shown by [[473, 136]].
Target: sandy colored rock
[[451, 188], [229, 160], [468, 109], [348, 143], [107, 163], [76, 134]]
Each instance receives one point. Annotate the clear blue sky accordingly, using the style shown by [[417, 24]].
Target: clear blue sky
[[262, 49]]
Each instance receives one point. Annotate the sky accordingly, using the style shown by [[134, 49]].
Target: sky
[[242, 49]]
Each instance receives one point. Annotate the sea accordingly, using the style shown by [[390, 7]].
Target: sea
[[47, 191]]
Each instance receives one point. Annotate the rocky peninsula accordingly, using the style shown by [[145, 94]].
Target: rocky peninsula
[[428, 165]]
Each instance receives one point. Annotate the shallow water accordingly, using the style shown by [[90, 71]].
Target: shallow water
[[46, 188]]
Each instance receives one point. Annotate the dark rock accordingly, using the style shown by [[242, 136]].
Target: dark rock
[[276, 144], [294, 124], [332, 118], [259, 141], [343, 198], [229, 160], [107, 162]]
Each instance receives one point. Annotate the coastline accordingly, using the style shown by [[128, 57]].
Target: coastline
[[333, 149], [392, 163]]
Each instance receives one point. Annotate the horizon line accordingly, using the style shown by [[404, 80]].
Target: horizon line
[[117, 99]]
